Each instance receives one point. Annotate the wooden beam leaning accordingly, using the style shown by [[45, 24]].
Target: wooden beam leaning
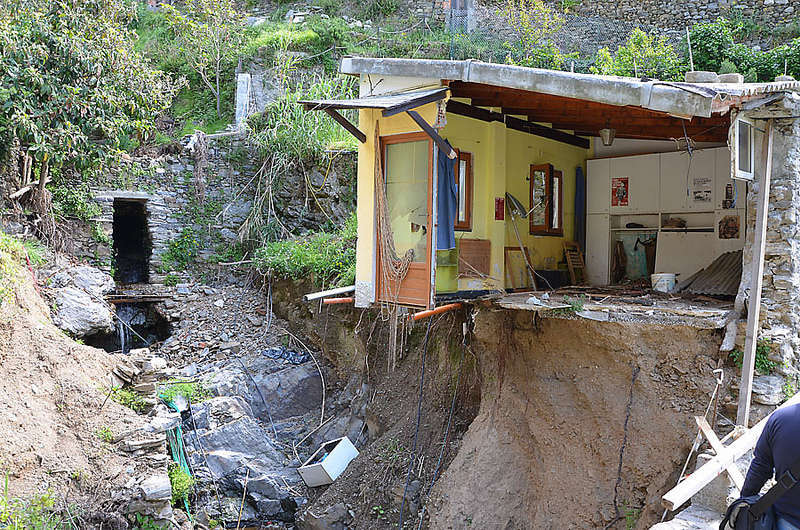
[[344, 122], [430, 131], [754, 302], [546, 132], [686, 489], [716, 445]]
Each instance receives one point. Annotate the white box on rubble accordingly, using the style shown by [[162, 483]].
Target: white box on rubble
[[328, 462]]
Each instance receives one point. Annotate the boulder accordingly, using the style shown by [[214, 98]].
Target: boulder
[[289, 390], [86, 278], [79, 314], [78, 293]]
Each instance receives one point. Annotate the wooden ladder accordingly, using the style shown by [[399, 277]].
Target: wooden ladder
[[575, 264]]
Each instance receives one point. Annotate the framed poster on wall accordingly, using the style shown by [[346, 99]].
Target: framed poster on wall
[[619, 191]]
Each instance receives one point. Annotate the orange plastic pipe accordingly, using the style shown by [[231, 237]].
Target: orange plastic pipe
[[329, 301], [436, 311]]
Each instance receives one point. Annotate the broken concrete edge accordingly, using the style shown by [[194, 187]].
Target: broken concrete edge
[[682, 99]]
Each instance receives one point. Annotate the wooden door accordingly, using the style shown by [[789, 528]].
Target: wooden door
[[407, 163]]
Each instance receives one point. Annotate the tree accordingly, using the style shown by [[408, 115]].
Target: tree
[[534, 22], [210, 32], [642, 55], [71, 85]]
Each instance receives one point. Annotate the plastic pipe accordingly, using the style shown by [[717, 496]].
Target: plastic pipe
[[330, 301], [436, 311]]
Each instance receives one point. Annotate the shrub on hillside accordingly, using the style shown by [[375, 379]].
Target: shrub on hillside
[[328, 258], [642, 55]]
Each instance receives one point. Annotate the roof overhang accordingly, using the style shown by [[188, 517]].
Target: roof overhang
[[677, 99]]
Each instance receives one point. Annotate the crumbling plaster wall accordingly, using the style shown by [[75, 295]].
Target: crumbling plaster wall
[[780, 299]]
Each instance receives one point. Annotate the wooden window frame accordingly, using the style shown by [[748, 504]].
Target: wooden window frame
[[466, 225], [547, 228]]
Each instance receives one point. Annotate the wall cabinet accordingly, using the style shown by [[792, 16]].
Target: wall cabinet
[[649, 190]]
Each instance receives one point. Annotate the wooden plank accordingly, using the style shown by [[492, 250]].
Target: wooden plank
[[546, 132], [430, 131], [716, 445], [474, 257], [344, 122], [757, 266], [686, 489]]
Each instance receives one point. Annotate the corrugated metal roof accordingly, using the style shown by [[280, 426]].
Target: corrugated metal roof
[[681, 99], [721, 278]]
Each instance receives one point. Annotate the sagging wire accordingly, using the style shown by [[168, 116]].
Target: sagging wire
[[465, 333], [419, 418]]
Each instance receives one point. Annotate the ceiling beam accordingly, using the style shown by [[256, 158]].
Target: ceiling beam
[[470, 111]]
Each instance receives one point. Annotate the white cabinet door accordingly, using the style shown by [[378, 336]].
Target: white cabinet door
[[598, 186], [674, 181], [598, 242], [635, 183], [701, 181]]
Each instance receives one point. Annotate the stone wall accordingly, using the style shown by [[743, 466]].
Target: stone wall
[[780, 316], [166, 185], [669, 14]]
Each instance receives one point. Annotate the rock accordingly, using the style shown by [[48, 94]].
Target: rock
[[700, 76], [131, 446], [215, 412], [336, 517], [219, 303], [731, 78], [84, 277], [183, 288], [156, 487], [768, 389], [164, 423], [288, 390], [80, 314]]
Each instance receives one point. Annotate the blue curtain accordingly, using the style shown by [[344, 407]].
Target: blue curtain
[[580, 208], [446, 202]]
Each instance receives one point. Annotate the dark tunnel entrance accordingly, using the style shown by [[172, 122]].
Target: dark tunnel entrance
[[132, 245]]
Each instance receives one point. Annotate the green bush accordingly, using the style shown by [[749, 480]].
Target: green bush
[[328, 258], [282, 36], [642, 55], [710, 44], [181, 482], [374, 9], [129, 398], [193, 391], [34, 513], [12, 255], [727, 67], [74, 200], [763, 363]]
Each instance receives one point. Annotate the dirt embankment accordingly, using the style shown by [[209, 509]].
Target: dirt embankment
[[560, 399], [51, 392]]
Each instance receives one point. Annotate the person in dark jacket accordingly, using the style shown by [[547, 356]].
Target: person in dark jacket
[[776, 450]]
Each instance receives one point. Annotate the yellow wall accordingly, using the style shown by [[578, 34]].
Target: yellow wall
[[501, 160], [522, 151]]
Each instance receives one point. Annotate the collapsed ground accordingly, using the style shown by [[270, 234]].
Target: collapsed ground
[[546, 409]]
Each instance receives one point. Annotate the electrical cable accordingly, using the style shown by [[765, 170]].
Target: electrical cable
[[449, 418], [419, 417]]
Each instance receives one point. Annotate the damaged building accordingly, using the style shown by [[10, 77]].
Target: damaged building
[[528, 190]]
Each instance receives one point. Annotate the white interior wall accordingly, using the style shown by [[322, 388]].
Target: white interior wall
[[660, 186]]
